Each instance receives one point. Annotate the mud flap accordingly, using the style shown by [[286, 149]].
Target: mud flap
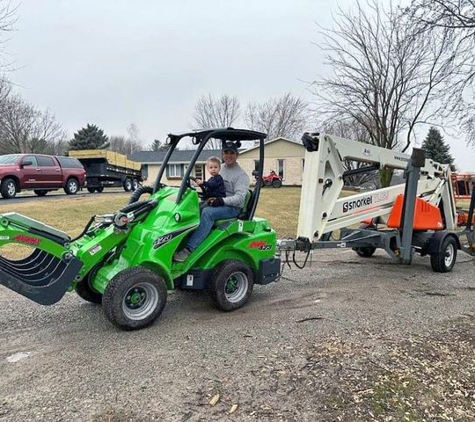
[[41, 277]]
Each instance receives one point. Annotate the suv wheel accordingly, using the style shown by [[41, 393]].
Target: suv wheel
[[8, 188], [72, 187]]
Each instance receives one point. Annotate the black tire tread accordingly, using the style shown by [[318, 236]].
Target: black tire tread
[[84, 291], [119, 285], [218, 279], [4, 190], [437, 260], [68, 190]]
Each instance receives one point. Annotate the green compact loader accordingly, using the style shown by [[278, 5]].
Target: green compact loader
[[124, 260]]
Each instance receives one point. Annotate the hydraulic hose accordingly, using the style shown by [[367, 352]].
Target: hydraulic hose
[[139, 192]]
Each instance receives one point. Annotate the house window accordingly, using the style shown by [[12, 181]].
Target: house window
[[280, 168], [256, 165], [175, 170]]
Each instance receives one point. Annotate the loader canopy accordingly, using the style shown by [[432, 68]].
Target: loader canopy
[[200, 138]]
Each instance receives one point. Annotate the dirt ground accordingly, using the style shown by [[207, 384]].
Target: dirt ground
[[345, 339]]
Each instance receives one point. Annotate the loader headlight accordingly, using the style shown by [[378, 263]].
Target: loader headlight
[[177, 217]]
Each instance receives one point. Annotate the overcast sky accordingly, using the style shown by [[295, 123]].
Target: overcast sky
[[117, 62]]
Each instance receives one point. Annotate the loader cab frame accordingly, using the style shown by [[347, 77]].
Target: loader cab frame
[[201, 139]]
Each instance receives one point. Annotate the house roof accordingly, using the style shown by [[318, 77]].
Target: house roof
[[178, 156], [272, 141], [184, 156]]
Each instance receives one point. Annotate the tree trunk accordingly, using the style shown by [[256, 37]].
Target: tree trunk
[[385, 176]]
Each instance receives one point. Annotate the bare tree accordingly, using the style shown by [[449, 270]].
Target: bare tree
[[387, 75], [212, 112], [24, 128], [457, 18], [124, 145], [286, 116], [356, 132], [8, 17]]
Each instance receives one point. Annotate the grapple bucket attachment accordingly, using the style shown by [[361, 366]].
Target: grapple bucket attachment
[[43, 276]]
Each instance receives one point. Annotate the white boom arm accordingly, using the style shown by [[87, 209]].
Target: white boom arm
[[321, 208]]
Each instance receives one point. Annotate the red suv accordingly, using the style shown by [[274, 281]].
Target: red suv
[[41, 173]]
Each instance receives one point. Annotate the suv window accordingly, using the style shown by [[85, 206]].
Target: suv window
[[45, 161], [69, 163], [31, 158]]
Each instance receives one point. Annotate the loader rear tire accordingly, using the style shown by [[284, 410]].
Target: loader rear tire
[[231, 285], [84, 291], [134, 298]]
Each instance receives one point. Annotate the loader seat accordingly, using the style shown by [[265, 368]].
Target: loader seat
[[243, 215]]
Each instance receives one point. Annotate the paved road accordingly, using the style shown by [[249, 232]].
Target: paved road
[[67, 363]]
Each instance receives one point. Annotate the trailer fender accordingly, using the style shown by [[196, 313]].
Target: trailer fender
[[436, 240]]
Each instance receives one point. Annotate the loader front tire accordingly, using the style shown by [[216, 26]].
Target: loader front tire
[[134, 298], [231, 285]]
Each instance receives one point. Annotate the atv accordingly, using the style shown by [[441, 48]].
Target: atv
[[272, 179], [123, 260]]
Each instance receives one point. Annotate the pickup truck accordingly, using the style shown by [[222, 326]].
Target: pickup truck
[[41, 173]]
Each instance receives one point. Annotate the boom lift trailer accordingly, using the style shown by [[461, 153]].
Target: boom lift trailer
[[419, 215]]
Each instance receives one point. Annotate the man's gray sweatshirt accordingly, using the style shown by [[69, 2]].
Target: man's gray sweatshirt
[[236, 182]]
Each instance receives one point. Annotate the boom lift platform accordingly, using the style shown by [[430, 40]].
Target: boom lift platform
[[417, 216]]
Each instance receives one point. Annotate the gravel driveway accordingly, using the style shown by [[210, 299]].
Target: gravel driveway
[[319, 344]]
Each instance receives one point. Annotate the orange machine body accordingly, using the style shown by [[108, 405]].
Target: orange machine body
[[426, 215]]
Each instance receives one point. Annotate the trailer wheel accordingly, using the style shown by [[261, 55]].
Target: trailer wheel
[[135, 184], [84, 291], [100, 189], [231, 285], [91, 190], [444, 260], [134, 298], [127, 185], [40, 192], [8, 188], [72, 187], [366, 251]]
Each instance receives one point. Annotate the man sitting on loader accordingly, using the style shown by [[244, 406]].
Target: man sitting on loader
[[237, 184]]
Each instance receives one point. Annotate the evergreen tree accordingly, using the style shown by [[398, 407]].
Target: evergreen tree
[[157, 145], [89, 137], [436, 149]]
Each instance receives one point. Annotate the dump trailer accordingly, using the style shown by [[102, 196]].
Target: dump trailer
[[108, 169]]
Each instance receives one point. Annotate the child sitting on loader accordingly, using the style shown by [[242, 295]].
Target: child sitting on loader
[[214, 186], [237, 184]]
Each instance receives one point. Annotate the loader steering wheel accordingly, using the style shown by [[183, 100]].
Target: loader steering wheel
[[200, 192], [190, 179]]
